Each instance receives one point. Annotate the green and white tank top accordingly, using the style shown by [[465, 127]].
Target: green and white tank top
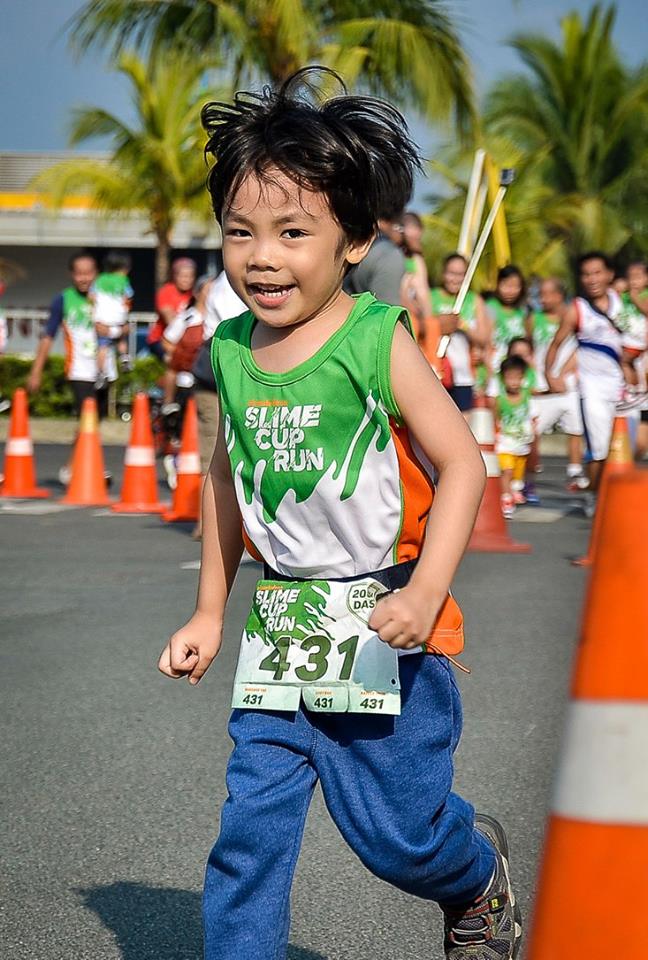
[[80, 338], [508, 323], [458, 352], [326, 478], [514, 425], [633, 324]]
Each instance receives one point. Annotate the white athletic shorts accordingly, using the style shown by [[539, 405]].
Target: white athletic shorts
[[549, 409], [598, 419]]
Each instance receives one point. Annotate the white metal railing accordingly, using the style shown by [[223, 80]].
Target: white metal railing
[[25, 326]]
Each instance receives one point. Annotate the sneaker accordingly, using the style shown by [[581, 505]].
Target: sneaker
[[169, 464], [125, 362], [518, 498], [577, 483], [531, 495], [491, 927], [4, 404], [508, 505], [167, 409], [589, 504], [101, 382]]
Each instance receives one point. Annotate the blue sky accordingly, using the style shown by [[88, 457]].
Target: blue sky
[[40, 80]]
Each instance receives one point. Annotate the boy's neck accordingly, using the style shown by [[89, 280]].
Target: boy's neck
[[280, 349]]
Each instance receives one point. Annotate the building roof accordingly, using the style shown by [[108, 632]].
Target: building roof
[[17, 169], [26, 221]]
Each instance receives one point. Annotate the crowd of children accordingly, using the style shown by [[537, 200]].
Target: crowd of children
[[543, 361]]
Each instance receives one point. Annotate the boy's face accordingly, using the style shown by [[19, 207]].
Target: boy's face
[[284, 253], [513, 381]]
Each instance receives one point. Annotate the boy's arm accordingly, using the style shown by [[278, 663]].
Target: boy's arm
[[191, 650], [404, 619]]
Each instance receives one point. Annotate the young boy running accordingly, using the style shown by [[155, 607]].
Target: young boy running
[[323, 396], [593, 318]]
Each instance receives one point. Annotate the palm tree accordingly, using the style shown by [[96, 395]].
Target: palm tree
[[407, 50], [156, 164], [585, 114]]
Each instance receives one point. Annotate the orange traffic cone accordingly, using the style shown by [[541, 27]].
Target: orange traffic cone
[[593, 881], [186, 496], [619, 461], [88, 484], [19, 470], [139, 490], [490, 534]]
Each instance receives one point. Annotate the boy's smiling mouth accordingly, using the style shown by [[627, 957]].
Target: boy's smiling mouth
[[270, 294]]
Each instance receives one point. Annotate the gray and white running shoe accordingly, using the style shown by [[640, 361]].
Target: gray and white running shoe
[[491, 927]]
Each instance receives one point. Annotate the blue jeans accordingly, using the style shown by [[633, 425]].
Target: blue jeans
[[386, 782]]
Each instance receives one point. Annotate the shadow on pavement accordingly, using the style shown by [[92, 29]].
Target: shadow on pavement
[[156, 923]]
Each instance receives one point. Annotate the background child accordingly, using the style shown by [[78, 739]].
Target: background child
[[514, 431], [508, 311], [321, 398], [112, 296]]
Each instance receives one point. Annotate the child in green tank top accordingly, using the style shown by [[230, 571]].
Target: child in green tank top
[[514, 436], [508, 311], [331, 421]]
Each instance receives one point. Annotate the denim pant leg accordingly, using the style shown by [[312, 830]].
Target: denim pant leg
[[246, 902], [387, 784]]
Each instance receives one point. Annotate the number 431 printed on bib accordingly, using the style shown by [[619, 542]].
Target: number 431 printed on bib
[[312, 641]]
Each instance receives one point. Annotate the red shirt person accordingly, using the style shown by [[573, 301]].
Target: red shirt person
[[170, 299]]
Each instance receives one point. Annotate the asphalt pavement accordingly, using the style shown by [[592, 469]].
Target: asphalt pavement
[[113, 776]]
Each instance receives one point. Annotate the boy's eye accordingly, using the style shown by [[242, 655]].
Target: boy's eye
[[236, 232], [293, 233]]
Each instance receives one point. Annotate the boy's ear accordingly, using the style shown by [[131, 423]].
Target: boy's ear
[[358, 250]]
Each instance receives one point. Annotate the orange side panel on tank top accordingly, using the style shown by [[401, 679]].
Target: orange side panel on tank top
[[447, 635], [67, 345]]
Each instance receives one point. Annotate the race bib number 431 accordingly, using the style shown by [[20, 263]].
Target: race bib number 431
[[312, 641]]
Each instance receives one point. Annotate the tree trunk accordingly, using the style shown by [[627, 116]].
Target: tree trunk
[[162, 258]]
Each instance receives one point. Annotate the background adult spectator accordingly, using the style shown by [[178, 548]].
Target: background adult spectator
[[382, 270], [71, 311], [217, 302], [415, 285], [170, 299]]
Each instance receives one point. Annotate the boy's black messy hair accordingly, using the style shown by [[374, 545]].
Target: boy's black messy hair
[[355, 150]]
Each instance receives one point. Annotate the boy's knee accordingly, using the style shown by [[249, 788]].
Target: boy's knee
[[406, 867]]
